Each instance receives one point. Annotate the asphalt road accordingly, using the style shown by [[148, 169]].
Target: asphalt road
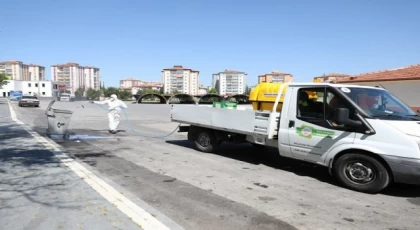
[[38, 192], [240, 187]]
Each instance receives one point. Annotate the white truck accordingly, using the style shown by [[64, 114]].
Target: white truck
[[366, 136], [66, 97]]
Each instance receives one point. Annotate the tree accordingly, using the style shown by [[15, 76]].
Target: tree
[[161, 91], [247, 90], [93, 94], [148, 91], [123, 94], [3, 79], [140, 92], [109, 91], [175, 92], [213, 91], [79, 92]]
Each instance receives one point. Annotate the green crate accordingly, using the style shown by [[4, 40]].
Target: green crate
[[225, 105]]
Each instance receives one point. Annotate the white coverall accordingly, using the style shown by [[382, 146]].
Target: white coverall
[[114, 108]]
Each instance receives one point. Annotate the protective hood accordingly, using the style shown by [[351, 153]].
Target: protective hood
[[408, 127]]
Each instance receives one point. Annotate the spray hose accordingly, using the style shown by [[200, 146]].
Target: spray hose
[[137, 133]]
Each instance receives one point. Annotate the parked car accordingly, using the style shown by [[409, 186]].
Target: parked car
[[28, 101]]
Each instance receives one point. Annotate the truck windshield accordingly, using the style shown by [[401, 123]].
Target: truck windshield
[[378, 102]]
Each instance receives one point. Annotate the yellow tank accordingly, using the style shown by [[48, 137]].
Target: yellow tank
[[264, 95]]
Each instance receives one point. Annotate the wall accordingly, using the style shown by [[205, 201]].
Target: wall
[[407, 91], [43, 91]]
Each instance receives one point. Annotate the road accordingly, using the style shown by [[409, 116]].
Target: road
[[240, 187]]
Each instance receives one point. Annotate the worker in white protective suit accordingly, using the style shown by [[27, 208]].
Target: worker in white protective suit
[[114, 108]]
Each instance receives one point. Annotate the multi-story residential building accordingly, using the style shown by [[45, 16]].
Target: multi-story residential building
[[73, 76], [230, 82], [202, 90], [36, 72], [275, 77], [92, 78], [134, 85], [180, 79], [17, 70], [332, 77]]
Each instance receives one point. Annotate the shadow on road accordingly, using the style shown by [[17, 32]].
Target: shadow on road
[[31, 174], [270, 157]]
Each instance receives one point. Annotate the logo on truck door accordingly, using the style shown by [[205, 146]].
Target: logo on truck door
[[307, 131]]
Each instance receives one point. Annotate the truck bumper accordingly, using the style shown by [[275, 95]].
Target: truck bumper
[[404, 170]]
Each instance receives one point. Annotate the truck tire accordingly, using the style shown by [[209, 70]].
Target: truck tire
[[361, 173], [206, 141]]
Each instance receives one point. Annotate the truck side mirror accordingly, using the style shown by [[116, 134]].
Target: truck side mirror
[[342, 118]]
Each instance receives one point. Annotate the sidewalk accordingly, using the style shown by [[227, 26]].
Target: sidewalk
[[39, 192]]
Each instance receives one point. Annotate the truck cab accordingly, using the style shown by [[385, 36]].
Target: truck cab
[[366, 136]]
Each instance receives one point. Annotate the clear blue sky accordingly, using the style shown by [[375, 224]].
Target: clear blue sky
[[138, 38]]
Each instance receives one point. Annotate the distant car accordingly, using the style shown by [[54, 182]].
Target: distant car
[[28, 101]]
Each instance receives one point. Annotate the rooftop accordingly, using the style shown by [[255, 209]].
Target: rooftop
[[333, 75], [273, 73], [19, 62], [73, 64], [179, 67], [68, 64], [411, 72], [231, 71]]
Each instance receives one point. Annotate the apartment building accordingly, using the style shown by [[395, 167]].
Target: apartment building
[[73, 76], [275, 77], [17, 70], [230, 82], [134, 85], [332, 77], [202, 90], [181, 79]]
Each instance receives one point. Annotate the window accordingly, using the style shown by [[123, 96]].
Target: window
[[379, 103], [29, 84], [43, 93], [318, 105], [43, 84], [36, 84]]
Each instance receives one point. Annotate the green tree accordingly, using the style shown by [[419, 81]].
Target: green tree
[[123, 94], [213, 91], [148, 91], [93, 94], [109, 91], [3, 79], [175, 92], [140, 92], [247, 90], [79, 92], [161, 91]]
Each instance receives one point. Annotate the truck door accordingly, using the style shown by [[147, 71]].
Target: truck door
[[312, 131]]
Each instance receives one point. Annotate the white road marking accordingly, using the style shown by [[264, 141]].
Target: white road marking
[[133, 211]]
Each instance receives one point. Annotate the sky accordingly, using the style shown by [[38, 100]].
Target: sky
[[138, 38]]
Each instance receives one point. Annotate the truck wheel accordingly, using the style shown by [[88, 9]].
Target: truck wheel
[[361, 173], [206, 141]]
